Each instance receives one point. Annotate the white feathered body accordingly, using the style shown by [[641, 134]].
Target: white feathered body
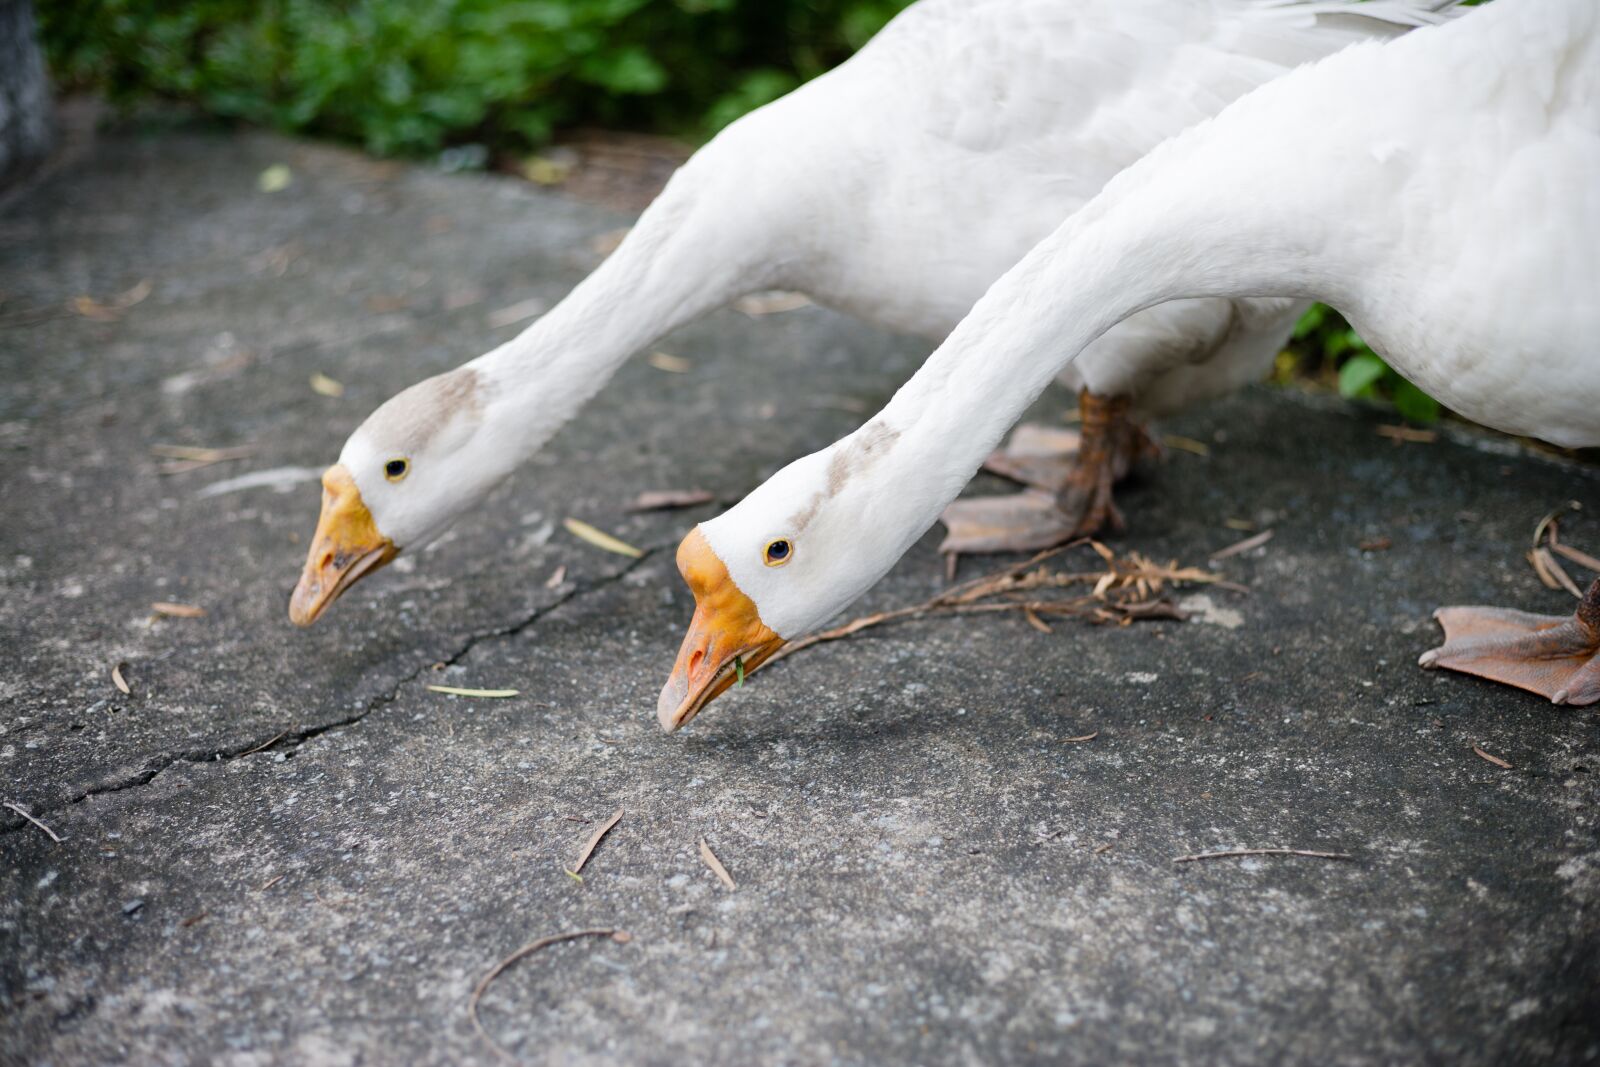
[[906, 181], [1442, 190]]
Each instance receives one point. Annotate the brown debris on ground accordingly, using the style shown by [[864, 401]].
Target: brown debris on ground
[[1123, 589]]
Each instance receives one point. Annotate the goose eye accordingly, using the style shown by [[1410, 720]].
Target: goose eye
[[396, 469], [777, 552]]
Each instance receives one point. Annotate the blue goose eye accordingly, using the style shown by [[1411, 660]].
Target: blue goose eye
[[396, 469], [777, 553]]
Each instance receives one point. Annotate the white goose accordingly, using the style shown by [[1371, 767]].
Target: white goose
[[897, 187], [1442, 190]]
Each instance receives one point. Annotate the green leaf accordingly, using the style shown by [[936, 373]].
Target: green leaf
[[1413, 404], [1310, 322], [1359, 374], [738, 665]]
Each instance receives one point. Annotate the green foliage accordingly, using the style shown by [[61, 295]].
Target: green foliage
[[410, 76], [1326, 341]]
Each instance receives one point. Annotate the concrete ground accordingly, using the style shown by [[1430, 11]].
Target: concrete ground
[[282, 848]]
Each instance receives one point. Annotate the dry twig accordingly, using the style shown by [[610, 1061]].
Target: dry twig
[[1125, 588], [1241, 547], [20, 810], [1547, 544], [264, 745], [1496, 760], [1403, 434], [177, 611], [668, 499], [619, 936], [1582, 559], [1263, 852]]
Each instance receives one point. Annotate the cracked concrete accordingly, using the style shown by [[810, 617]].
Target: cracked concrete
[[282, 848]]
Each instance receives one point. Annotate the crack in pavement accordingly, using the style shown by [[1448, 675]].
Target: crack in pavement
[[155, 765]]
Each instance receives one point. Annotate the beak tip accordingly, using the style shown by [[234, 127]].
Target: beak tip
[[670, 703]]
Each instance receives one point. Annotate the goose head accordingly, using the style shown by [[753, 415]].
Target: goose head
[[787, 558], [416, 463]]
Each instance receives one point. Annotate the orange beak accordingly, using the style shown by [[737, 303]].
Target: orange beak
[[347, 545], [726, 637]]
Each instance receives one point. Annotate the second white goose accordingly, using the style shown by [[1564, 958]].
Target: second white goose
[[1442, 190]]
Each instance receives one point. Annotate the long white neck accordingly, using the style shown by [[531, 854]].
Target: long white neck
[[691, 252], [1127, 251]]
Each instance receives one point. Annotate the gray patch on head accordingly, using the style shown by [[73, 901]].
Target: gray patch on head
[[866, 447], [409, 420]]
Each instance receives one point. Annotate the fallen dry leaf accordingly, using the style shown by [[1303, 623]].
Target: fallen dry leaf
[[1239, 547], [1496, 760], [119, 681], [664, 499], [326, 386], [599, 538], [1376, 544], [669, 363], [177, 611], [771, 302], [588, 848], [458, 691], [715, 864]]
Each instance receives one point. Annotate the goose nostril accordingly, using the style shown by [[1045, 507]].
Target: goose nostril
[[694, 660], [326, 561]]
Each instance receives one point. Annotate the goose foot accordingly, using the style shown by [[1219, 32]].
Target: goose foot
[[1551, 655], [1071, 475]]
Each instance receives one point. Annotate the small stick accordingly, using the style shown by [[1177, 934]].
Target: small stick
[[1582, 559], [20, 810], [1496, 760], [715, 864], [1399, 434], [1080, 740], [583, 857], [620, 936], [1239, 547], [1132, 573], [1263, 852], [1560, 573], [270, 884], [264, 744]]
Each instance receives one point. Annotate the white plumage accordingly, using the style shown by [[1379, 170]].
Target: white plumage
[[1443, 190], [897, 187]]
